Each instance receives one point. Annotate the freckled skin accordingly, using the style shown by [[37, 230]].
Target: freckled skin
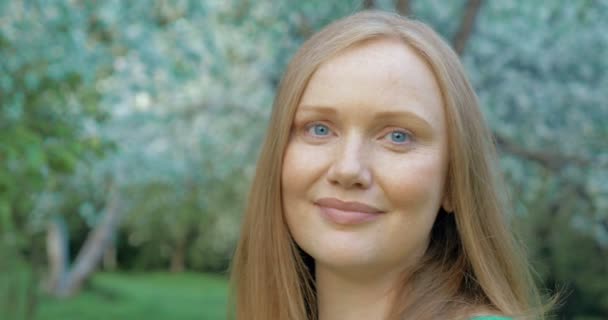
[[357, 160]]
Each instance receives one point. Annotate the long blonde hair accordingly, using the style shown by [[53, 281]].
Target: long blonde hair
[[472, 260]]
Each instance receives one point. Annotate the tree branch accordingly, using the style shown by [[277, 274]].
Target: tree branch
[[549, 160], [403, 7], [303, 27], [92, 251], [466, 26], [368, 4]]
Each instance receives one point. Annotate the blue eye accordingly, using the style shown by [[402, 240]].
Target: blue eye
[[319, 130], [399, 137]]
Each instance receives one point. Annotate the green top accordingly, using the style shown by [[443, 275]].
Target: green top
[[491, 318]]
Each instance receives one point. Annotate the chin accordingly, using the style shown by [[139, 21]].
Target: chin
[[341, 257]]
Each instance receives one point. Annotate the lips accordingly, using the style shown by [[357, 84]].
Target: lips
[[347, 212]]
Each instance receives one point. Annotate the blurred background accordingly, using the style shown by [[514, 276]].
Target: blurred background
[[129, 131]]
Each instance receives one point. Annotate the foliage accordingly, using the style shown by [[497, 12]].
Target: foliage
[[49, 108], [47, 96], [545, 95]]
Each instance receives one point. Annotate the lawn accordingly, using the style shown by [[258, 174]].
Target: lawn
[[150, 296]]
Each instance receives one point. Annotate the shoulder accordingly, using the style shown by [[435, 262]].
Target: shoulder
[[485, 313]]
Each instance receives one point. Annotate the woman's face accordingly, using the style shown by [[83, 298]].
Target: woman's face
[[364, 171]]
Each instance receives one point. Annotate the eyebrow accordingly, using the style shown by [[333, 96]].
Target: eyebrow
[[380, 115]]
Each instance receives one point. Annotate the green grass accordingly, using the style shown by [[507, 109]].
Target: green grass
[[150, 296]]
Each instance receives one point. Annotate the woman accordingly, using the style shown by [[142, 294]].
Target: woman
[[375, 195]]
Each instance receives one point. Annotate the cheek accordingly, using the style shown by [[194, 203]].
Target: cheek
[[416, 182], [302, 166], [298, 175], [292, 167]]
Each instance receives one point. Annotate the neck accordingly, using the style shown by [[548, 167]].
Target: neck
[[341, 296]]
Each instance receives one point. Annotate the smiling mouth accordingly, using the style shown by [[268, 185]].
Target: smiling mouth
[[347, 213]]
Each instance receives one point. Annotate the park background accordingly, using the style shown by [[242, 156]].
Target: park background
[[129, 132]]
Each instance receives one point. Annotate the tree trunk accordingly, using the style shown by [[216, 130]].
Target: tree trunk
[[368, 4], [178, 258], [466, 26], [57, 250], [93, 249], [109, 258], [32, 294]]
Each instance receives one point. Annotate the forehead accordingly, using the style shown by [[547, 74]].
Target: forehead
[[385, 74]]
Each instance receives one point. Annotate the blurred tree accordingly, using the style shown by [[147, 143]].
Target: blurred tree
[[49, 111], [543, 100]]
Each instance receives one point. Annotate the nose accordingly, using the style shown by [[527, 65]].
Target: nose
[[350, 168]]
